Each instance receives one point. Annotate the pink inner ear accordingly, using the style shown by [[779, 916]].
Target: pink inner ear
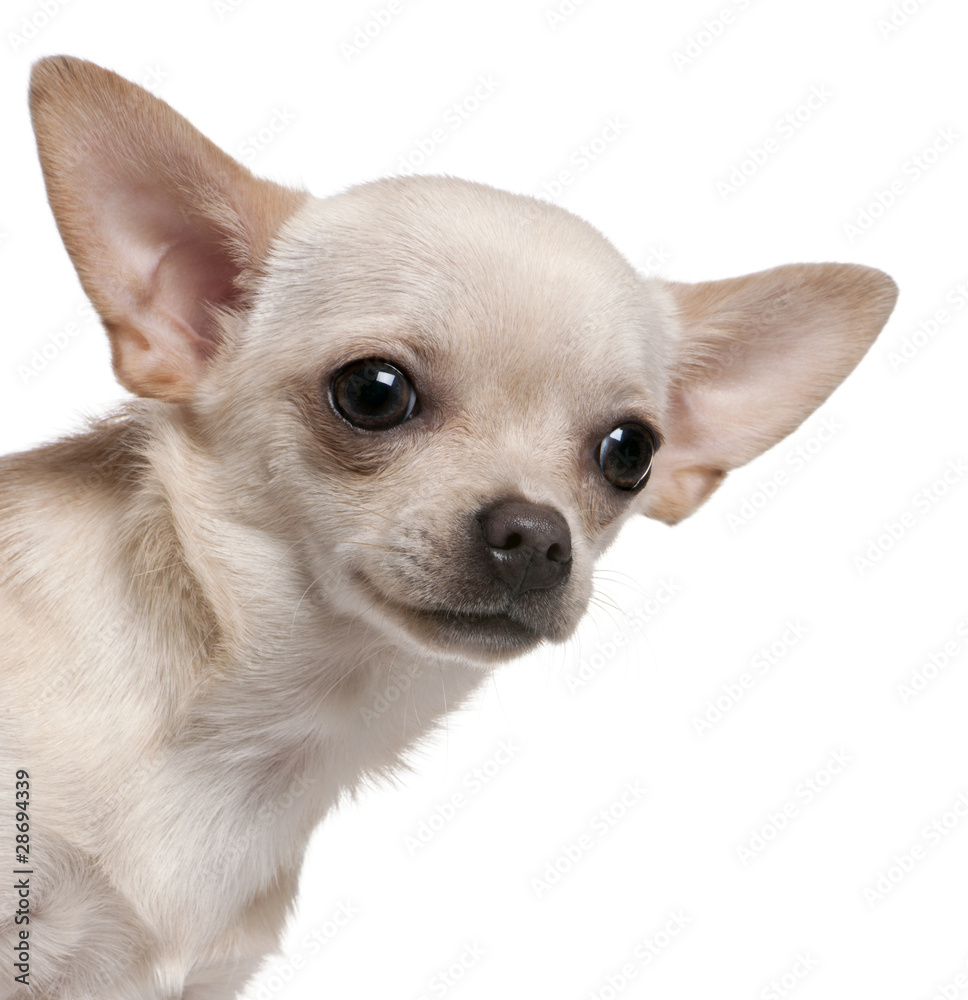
[[758, 354], [171, 271], [192, 277], [160, 223]]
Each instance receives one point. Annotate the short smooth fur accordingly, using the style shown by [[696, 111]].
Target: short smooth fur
[[203, 597]]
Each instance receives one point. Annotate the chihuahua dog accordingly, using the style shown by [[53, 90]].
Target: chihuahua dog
[[380, 440]]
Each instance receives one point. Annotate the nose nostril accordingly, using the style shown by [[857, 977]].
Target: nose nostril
[[527, 546]]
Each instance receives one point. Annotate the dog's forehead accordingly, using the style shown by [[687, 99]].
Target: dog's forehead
[[512, 288]]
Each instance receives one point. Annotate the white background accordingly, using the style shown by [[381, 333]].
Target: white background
[[893, 431]]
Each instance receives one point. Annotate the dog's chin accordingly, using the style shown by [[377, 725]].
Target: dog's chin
[[477, 637]]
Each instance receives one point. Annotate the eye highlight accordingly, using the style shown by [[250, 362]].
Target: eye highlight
[[625, 455], [373, 394]]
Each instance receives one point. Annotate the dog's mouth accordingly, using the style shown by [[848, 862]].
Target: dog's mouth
[[494, 635], [500, 632]]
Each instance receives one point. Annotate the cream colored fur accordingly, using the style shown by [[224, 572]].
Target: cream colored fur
[[203, 598]]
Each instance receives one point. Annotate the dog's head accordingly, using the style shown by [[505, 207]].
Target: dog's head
[[446, 397]]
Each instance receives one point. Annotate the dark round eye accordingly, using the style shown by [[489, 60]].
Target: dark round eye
[[373, 394], [625, 455]]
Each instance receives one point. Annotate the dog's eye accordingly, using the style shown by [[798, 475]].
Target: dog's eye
[[626, 454], [373, 394]]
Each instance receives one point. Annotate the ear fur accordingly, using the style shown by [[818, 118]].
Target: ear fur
[[754, 356], [163, 228]]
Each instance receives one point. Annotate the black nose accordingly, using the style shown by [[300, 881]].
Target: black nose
[[527, 546]]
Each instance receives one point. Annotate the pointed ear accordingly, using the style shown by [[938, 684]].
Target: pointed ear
[[163, 227], [754, 356]]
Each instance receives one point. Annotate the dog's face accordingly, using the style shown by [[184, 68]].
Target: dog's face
[[443, 398], [456, 418]]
